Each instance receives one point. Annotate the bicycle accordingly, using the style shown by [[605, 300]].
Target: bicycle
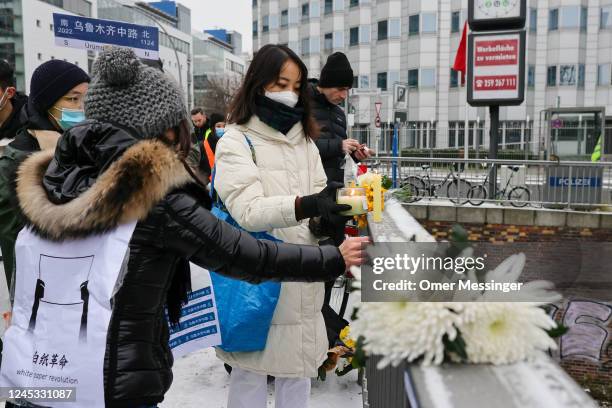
[[518, 196], [456, 187]]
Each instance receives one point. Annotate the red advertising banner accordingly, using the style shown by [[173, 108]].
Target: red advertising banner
[[496, 52]]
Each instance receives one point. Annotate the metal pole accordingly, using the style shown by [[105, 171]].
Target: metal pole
[[493, 140], [395, 152]]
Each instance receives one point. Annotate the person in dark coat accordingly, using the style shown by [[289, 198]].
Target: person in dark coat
[[11, 103], [125, 164]]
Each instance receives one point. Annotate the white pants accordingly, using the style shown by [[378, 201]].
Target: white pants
[[250, 390]]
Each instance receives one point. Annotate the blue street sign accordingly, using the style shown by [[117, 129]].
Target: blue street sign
[[93, 34]]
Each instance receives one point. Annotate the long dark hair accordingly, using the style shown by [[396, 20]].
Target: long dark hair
[[265, 69]]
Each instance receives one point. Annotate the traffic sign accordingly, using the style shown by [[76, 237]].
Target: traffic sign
[[377, 121], [378, 106], [93, 34]]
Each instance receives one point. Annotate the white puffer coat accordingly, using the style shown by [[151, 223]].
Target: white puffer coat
[[261, 197]]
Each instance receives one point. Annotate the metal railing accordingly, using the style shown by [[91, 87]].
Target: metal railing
[[518, 183]]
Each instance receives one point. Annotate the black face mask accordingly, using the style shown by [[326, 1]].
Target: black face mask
[[277, 115]]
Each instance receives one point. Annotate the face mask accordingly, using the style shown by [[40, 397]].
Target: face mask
[[220, 131], [288, 98], [70, 117]]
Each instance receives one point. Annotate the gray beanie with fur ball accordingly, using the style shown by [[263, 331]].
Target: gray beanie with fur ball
[[126, 92]]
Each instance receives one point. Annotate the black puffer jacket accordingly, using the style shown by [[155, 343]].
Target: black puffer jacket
[[332, 122], [108, 177]]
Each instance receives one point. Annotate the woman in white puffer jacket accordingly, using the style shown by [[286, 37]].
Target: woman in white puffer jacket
[[276, 184]]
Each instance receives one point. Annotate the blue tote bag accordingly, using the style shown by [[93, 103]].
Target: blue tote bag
[[244, 309]]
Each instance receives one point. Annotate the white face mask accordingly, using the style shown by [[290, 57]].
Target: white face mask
[[288, 98]]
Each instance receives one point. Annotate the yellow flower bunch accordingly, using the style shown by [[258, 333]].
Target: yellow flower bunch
[[345, 336]]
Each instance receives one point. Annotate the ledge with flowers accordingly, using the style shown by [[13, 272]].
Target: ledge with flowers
[[472, 352]]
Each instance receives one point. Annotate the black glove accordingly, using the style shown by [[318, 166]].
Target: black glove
[[322, 204]]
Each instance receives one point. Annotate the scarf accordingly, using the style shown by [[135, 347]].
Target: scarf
[[277, 115]]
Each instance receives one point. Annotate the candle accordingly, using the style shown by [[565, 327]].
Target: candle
[[356, 198], [377, 191]]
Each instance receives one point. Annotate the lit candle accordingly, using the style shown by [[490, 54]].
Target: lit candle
[[355, 197], [377, 191]]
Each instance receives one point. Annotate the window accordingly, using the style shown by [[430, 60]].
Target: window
[[567, 75], [455, 21], [338, 5], [553, 20], [533, 20], [428, 78], [255, 29], [570, 17], [393, 78], [364, 81], [254, 3], [354, 3], [382, 30], [429, 23], [339, 39], [273, 21], [580, 75], [381, 81], [394, 28], [328, 41], [293, 15], [266, 24], [454, 78], [584, 18], [605, 17], [305, 11], [305, 46], [329, 6], [315, 9], [531, 76], [364, 34], [315, 45], [413, 78], [413, 25], [603, 74], [355, 82], [284, 18], [354, 36], [551, 76]]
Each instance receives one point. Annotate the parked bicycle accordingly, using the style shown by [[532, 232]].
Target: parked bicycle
[[517, 196], [457, 188]]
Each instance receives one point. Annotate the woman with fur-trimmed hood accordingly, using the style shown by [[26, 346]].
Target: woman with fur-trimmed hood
[[125, 164]]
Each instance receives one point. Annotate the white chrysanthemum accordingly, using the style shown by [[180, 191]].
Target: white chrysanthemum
[[407, 330], [504, 333]]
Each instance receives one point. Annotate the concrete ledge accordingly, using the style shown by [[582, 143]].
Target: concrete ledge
[[577, 220], [519, 217], [442, 213], [551, 218], [417, 211], [471, 215], [495, 216]]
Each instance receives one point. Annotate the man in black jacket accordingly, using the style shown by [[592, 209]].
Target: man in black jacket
[[329, 92], [11, 103]]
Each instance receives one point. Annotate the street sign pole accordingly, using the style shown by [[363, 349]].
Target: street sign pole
[[493, 142], [395, 151]]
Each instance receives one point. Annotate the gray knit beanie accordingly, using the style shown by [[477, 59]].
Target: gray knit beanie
[[127, 92]]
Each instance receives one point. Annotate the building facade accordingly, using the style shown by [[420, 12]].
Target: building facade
[[413, 43]]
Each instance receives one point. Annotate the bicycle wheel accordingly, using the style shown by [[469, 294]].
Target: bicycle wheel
[[414, 180], [477, 194], [457, 191], [408, 193], [519, 197]]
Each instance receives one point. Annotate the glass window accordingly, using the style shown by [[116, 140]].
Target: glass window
[[413, 25], [315, 9], [454, 78], [553, 20], [284, 18], [580, 75], [329, 6], [584, 17], [305, 11], [273, 21], [354, 3], [455, 21], [428, 78], [293, 15], [364, 34], [364, 81], [338, 5], [603, 74], [567, 75], [355, 82], [551, 76], [255, 28], [394, 28], [254, 3], [339, 39], [328, 41], [266, 24], [531, 76], [305, 46], [429, 23], [381, 81], [382, 30], [605, 17], [570, 17], [315, 45], [354, 36], [6, 21], [533, 20], [393, 78], [413, 78]]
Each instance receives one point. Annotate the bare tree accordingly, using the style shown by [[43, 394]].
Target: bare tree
[[216, 93]]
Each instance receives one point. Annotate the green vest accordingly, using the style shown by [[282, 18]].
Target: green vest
[[596, 156]]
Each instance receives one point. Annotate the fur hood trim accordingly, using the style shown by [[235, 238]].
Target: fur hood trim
[[125, 192]]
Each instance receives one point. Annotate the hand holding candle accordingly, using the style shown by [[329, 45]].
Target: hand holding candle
[[355, 197]]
